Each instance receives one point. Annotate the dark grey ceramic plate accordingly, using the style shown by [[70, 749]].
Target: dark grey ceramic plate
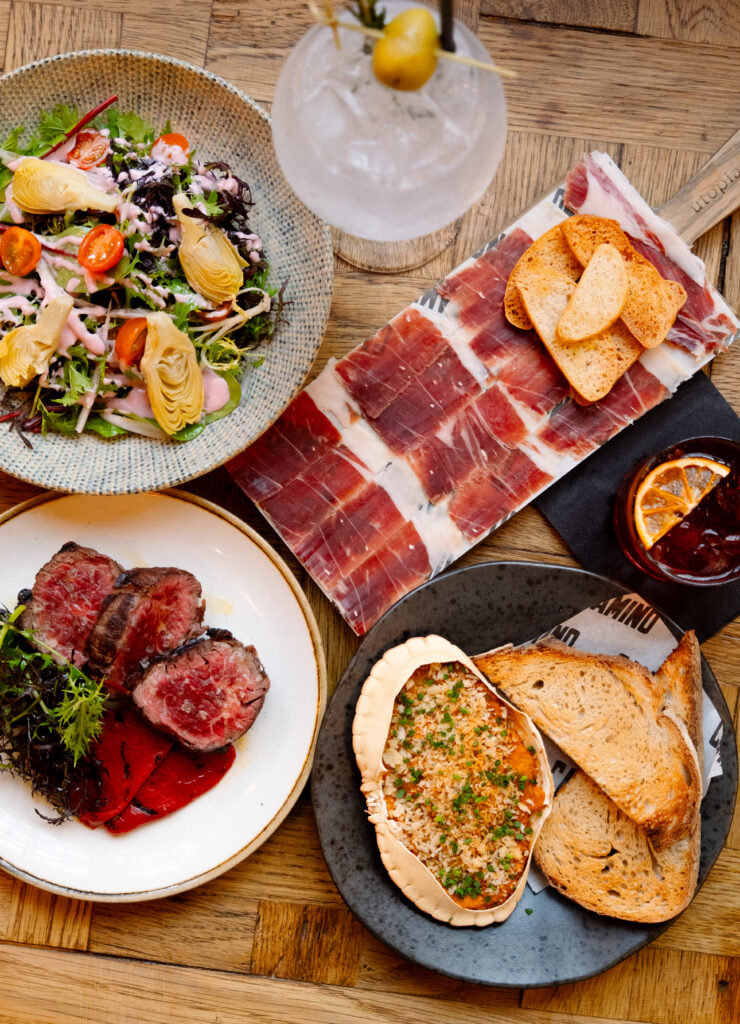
[[479, 608]]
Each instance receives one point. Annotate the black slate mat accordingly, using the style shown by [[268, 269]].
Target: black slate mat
[[580, 505], [478, 608]]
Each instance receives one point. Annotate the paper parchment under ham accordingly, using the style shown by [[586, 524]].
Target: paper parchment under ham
[[407, 451]]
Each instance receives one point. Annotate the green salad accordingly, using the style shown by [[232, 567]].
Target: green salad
[[133, 292]]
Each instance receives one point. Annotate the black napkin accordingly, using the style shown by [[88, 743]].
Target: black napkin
[[580, 505]]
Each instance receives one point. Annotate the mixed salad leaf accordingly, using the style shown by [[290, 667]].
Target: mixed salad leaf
[[125, 224]]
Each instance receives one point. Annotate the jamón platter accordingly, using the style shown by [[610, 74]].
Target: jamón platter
[[403, 454]]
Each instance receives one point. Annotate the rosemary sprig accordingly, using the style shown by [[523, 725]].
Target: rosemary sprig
[[368, 15]]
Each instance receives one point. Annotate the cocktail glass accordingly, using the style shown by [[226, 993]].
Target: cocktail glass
[[704, 550], [382, 165]]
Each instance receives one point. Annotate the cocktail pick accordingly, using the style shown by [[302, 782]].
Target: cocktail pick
[[324, 14]]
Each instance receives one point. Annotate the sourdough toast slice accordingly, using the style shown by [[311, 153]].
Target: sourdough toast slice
[[594, 854], [607, 714], [680, 680]]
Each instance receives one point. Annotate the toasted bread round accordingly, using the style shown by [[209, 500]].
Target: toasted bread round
[[598, 297], [584, 232], [549, 250], [652, 302]]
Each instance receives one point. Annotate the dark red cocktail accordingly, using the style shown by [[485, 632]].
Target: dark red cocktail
[[703, 547]]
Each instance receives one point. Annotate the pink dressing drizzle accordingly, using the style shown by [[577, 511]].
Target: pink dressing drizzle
[[215, 390]]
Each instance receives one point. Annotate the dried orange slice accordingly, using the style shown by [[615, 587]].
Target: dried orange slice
[[671, 491]]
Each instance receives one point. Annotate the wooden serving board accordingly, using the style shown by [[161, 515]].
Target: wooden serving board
[[711, 195]]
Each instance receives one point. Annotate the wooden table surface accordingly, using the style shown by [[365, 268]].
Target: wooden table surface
[[655, 83]]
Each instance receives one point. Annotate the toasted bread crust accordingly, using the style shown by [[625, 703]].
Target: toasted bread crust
[[606, 713], [680, 679], [594, 854]]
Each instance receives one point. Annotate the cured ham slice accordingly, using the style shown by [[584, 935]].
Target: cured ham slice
[[534, 380], [496, 340], [406, 452], [474, 440], [382, 579], [296, 440], [579, 430], [426, 402], [310, 498], [349, 535], [378, 370], [487, 498], [483, 275], [477, 288]]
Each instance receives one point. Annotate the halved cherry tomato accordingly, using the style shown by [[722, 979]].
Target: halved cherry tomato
[[101, 248], [90, 149], [174, 139], [20, 251], [131, 341]]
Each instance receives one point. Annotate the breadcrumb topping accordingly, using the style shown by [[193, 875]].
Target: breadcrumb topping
[[461, 786]]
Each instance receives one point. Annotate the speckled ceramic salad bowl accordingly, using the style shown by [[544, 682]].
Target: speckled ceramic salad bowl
[[222, 124]]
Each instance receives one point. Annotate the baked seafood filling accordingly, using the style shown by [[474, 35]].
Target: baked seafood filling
[[462, 785]]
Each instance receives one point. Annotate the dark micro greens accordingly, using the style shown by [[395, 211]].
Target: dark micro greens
[[50, 714]]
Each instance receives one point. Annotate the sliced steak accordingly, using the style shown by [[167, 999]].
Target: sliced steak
[[148, 613], [207, 694], [66, 598]]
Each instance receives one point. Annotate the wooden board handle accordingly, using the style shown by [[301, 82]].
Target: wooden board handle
[[710, 196]]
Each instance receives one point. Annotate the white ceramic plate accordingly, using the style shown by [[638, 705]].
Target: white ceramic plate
[[249, 590]]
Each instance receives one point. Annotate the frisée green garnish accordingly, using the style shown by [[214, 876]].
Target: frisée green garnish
[[126, 224], [51, 712]]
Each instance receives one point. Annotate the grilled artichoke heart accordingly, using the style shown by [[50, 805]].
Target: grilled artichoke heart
[[211, 264], [174, 382], [44, 187], [27, 351]]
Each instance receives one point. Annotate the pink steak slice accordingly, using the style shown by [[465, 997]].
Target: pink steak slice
[[206, 694], [66, 598]]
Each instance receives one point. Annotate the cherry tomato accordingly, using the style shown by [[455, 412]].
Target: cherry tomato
[[20, 251], [173, 139], [90, 149], [131, 341], [101, 249]]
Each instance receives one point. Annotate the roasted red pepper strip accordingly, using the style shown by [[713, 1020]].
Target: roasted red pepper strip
[[128, 751], [180, 778]]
